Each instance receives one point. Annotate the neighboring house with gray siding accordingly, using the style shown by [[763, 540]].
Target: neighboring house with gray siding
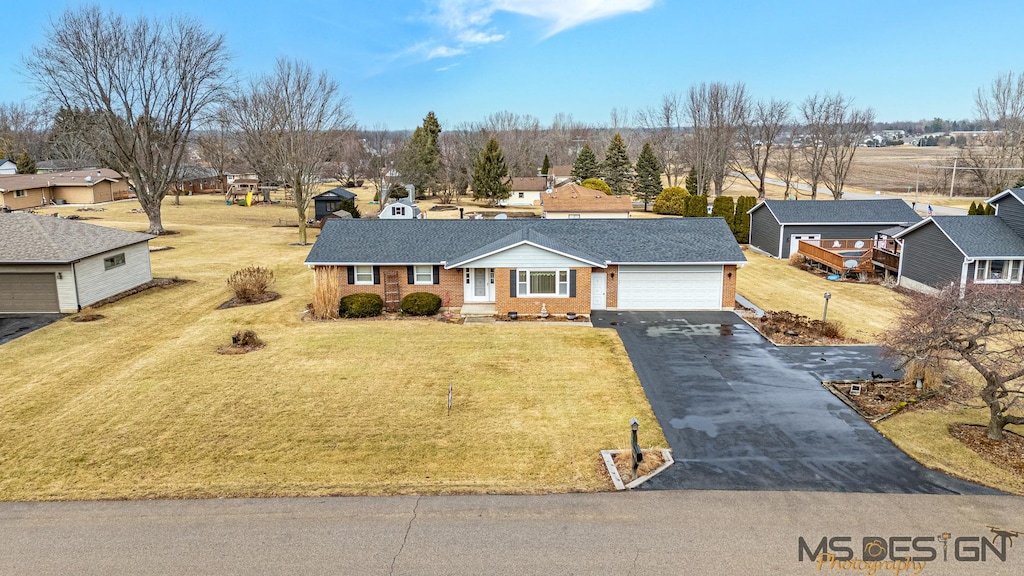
[[776, 226], [959, 250], [52, 264]]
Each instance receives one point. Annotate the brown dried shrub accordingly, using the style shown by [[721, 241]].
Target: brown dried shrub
[[250, 282]]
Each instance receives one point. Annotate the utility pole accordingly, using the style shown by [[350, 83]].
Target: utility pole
[[952, 180]]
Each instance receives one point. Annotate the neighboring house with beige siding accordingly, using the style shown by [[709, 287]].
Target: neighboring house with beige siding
[[52, 264], [27, 191]]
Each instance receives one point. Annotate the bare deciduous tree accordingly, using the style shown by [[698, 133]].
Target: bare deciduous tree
[[714, 111], [520, 139], [287, 121], [218, 147], [1000, 109], [22, 128], [382, 146], [149, 79], [983, 326], [663, 126], [760, 126], [813, 139], [845, 131], [565, 138], [785, 165]]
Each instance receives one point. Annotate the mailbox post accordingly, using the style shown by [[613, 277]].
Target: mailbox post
[[638, 454], [824, 315]]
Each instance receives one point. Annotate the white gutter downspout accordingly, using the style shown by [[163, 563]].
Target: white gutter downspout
[[899, 269], [963, 275]]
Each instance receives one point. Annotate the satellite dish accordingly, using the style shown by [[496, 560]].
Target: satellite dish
[[502, 216], [851, 263], [858, 244]]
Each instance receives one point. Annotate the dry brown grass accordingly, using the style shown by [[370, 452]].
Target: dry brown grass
[[140, 405], [327, 294], [865, 310]]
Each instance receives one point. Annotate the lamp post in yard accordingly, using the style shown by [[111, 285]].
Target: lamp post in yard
[[824, 315]]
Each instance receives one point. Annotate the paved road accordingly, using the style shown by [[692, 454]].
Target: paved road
[[666, 532], [741, 414]]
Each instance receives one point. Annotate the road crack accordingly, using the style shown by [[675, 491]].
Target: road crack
[[635, 559], [408, 527]]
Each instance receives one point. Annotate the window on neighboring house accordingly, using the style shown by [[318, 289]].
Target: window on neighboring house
[[543, 283], [424, 274], [521, 195], [574, 216], [332, 207], [398, 210], [364, 274], [113, 261], [20, 193], [998, 271]]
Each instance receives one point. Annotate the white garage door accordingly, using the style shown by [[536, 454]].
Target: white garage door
[[28, 293], [670, 288]]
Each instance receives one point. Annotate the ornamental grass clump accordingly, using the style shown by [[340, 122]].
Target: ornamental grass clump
[[250, 283]]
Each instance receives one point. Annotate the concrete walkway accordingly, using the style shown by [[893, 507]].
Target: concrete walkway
[[667, 532]]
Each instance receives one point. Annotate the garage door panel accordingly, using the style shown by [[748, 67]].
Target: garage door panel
[[675, 289], [28, 293]]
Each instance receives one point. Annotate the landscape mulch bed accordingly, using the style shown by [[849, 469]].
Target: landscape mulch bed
[[154, 283], [87, 317], [879, 398], [1008, 454], [388, 317], [261, 299], [234, 349], [785, 328], [653, 458]]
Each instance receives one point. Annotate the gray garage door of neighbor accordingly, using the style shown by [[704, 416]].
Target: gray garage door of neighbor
[[670, 288], [28, 293]]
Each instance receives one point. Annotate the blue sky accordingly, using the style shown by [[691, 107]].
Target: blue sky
[[464, 59]]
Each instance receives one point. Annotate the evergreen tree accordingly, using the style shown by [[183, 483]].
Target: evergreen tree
[[420, 160], [25, 163], [585, 166], [596, 184], [546, 166], [724, 207], [741, 220], [973, 210], [691, 183], [697, 206], [490, 173], [672, 201], [616, 168], [648, 176]]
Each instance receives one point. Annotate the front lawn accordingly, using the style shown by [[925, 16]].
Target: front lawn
[[140, 405], [865, 310]]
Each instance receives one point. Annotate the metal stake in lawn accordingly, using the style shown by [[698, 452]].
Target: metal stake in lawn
[[824, 315], [638, 454], [450, 399]]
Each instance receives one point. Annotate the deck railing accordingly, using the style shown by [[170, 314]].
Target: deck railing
[[829, 253]]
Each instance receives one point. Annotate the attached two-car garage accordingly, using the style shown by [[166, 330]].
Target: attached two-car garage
[[20, 293], [670, 288]]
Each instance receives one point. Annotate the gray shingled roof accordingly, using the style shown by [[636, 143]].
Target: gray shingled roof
[[882, 211], [1017, 193], [686, 240], [337, 193], [30, 239], [525, 235], [981, 236]]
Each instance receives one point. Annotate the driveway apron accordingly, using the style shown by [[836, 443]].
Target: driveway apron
[[741, 414]]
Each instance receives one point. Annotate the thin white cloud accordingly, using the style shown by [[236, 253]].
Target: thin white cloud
[[470, 18], [444, 52]]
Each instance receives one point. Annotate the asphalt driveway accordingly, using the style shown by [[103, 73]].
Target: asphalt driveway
[[14, 325], [741, 414]]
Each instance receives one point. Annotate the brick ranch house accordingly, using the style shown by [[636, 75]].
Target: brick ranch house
[[519, 265]]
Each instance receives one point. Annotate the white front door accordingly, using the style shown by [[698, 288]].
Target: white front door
[[598, 291], [479, 285], [794, 241]]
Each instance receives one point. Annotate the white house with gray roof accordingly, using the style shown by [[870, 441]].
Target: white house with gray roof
[[521, 265], [52, 264], [941, 251]]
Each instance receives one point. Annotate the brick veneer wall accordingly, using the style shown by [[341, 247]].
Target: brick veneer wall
[[531, 305], [451, 283], [612, 290], [729, 287]]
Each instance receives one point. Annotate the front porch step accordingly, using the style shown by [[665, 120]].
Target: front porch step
[[477, 310]]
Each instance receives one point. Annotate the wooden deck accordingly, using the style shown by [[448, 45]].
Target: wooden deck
[[841, 256]]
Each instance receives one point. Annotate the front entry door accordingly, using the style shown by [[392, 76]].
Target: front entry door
[[479, 285], [598, 291]]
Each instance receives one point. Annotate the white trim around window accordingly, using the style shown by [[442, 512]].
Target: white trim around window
[[998, 271], [423, 274], [547, 283], [364, 274]]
